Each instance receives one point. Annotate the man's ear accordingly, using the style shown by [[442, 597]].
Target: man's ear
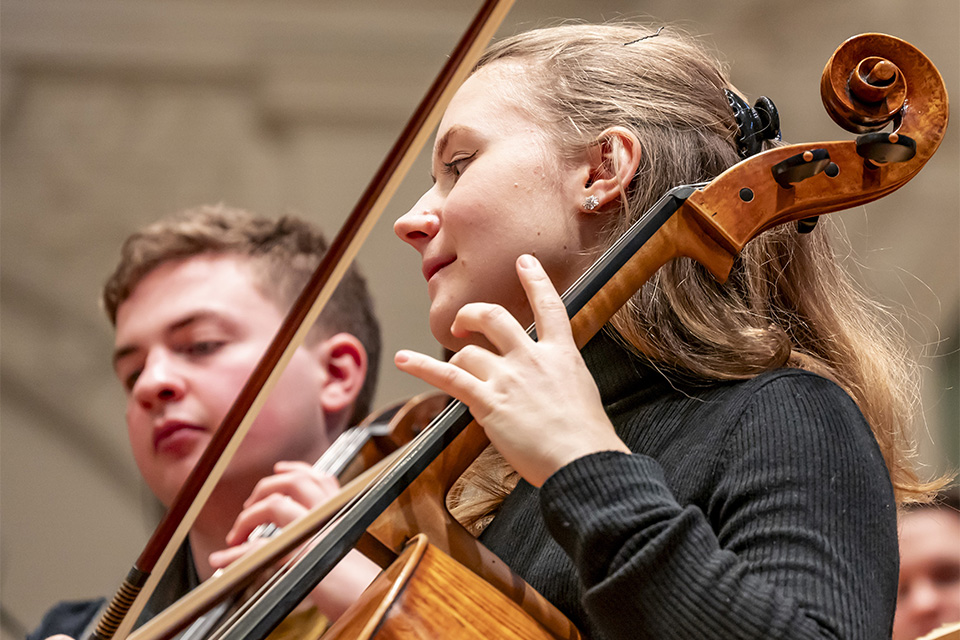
[[345, 363], [612, 162]]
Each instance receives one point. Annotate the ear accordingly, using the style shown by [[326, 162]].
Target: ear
[[345, 364], [612, 163]]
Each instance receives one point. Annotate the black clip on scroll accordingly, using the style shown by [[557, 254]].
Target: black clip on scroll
[[800, 167], [754, 125], [762, 122]]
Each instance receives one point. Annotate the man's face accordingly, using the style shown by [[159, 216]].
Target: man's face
[[929, 593], [187, 338]]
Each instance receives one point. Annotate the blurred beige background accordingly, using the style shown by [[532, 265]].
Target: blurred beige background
[[116, 112]]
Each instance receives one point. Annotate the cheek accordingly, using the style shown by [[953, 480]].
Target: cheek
[[138, 429], [219, 387], [296, 397]]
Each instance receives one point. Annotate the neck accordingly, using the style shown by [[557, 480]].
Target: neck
[[209, 531]]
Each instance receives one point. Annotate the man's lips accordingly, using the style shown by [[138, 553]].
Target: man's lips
[[432, 266], [169, 429]]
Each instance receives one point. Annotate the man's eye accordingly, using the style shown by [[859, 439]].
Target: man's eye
[[946, 573], [203, 348], [131, 379]]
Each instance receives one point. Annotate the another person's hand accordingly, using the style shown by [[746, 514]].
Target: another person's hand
[[288, 495], [293, 491]]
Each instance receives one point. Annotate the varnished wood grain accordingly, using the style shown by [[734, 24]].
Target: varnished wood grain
[[426, 595]]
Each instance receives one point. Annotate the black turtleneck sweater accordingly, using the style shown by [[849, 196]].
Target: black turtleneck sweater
[[755, 509]]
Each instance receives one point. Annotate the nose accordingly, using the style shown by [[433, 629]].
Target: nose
[[419, 225], [159, 382], [923, 598]]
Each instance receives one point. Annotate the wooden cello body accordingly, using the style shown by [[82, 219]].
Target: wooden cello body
[[427, 594]]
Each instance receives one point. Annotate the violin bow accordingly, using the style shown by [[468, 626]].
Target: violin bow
[[131, 597]]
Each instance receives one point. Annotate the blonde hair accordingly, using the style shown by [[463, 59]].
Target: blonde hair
[[787, 302], [283, 254]]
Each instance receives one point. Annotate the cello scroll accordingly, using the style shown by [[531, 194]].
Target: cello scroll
[[792, 183], [901, 87]]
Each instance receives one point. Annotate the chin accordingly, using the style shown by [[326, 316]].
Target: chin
[[447, 341], [165, 494], [440, 324]]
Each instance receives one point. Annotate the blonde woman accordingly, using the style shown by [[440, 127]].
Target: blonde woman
[[722, 460]]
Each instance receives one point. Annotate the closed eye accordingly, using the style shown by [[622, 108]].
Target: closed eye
[[131, 379], [456, 166], [203, 347]]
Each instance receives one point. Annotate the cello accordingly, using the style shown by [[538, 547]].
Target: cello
[[872, 80]]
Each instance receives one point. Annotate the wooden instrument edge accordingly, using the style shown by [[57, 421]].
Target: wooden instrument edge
[[394, 605]]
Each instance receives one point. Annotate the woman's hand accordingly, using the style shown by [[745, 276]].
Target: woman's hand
[[536, 401], [293, 491]]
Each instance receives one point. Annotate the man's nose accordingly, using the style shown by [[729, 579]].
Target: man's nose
[[159, 382]]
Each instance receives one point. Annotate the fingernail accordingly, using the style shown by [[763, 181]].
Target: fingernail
[[401, 357], [527, 261]]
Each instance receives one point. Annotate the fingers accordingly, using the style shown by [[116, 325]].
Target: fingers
[[277, 509], [501, 329], [548, 310], [226, 557], [446, 376], [298, 480], [491, 321], [286, 496], [467, 370], [290, 493]]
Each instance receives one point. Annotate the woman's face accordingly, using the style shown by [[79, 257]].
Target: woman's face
[[501, 189]]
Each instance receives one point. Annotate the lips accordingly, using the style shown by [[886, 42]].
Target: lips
[[433, 265], [169, 430]]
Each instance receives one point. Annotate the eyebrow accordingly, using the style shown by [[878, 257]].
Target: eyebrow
[[444, 140], [126, 350]]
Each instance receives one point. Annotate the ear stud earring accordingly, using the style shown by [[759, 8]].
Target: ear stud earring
[[591, 202]]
